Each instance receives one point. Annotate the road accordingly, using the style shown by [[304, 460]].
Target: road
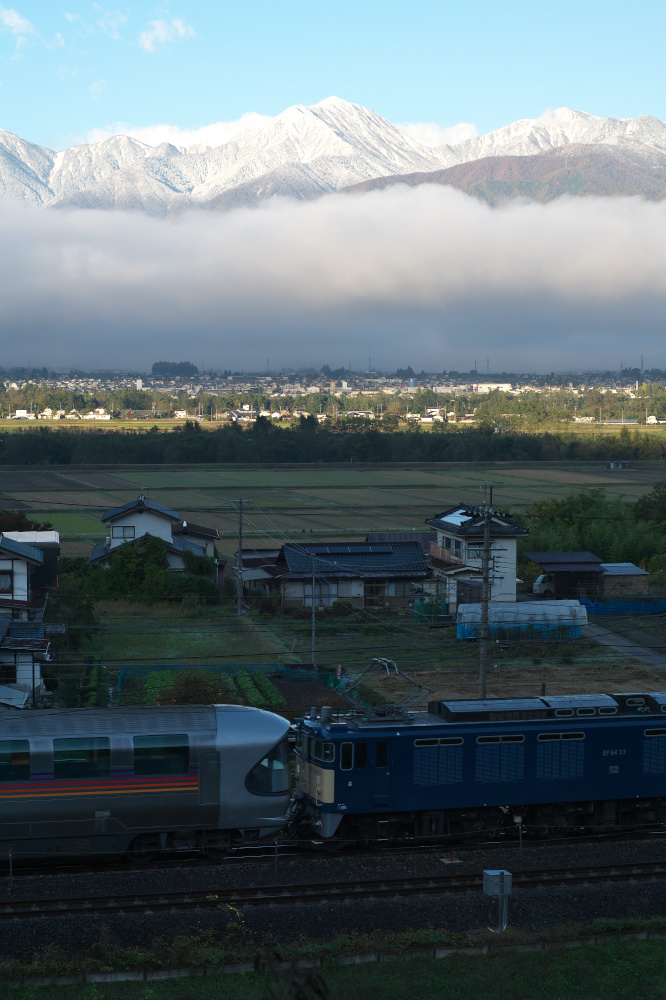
[[605, 637]]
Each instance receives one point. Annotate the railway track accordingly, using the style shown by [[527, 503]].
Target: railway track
[[311, 850], [315, 893]]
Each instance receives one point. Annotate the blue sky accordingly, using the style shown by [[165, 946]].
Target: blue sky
[[68, 67]]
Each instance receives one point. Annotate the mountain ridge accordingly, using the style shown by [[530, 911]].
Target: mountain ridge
[[302, 153]]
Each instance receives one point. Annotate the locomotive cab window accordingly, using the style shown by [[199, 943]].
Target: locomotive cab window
[[82, 757], [322, 751], [14, 760], [163, 754], [271, 775], [381, 754]]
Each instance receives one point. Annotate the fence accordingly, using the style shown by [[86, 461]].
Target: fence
[[644, 607]]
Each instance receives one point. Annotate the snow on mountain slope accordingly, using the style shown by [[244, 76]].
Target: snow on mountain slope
[[301, 153], [522, 138], [24, 170]]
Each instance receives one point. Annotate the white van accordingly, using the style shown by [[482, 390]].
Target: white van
[[544, 585]]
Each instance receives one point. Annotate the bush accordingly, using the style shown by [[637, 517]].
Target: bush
[[341, 609]]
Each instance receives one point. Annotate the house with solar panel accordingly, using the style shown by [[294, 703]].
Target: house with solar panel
[[456, 555], [366, 574], [143, 517]]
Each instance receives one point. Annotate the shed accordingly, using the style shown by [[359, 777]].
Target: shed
[[531, 618], [574, 574], [624, 578]]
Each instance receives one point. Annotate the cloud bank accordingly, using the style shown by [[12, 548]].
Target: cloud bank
[[434, 135], [208, 135], [422, 276]]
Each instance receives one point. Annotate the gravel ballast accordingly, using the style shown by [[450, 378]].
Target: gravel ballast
[[529, 909]]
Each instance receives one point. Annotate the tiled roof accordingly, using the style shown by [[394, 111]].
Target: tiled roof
[[567, 562], [141, 503], [20, 549], [354, 560], [468, 519], [180, 544], [424, 537], [564, 557], [29, 636], [623, 569], [198, 530]]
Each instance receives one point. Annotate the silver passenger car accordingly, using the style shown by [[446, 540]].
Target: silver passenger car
[[141, 780]]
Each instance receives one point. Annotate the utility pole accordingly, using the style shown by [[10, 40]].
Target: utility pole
[[314, 619], [485, 597], [239, 557]]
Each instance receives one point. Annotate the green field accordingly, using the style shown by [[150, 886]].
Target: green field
[[291, 501], [613, 971]]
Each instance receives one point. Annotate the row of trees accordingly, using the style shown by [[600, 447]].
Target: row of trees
[[349, 441]]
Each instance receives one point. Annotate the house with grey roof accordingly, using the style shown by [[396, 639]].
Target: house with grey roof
[[141, 518], [456, 555], [367, 574]]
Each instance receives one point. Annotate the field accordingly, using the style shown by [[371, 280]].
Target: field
[[614, 971], [288, 502]]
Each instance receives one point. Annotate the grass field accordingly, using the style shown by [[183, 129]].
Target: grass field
[[614, 971], [142, 634], [290, 502]]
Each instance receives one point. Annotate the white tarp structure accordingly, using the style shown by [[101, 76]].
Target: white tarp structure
[[537, 617]]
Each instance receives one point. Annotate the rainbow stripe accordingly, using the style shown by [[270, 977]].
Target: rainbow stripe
[[86, 787]]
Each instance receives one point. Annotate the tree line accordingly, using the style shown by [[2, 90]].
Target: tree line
[[308, 441]]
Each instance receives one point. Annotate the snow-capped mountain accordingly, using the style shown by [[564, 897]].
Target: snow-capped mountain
[[301, 153]]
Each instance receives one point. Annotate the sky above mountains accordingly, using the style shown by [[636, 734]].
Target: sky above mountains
[[78, 71]]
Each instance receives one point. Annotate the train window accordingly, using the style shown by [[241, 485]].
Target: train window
[[381, 754], [163, 754], [271, 775], [82, 757], [347, 756], [501, 739], [561, 712], [361, 755], [545, 737], [655, 732], [585, 711], [635, 701], [607, 710], [663, 708], [322, 751], [426, 743], [14, 760], [451, 741]]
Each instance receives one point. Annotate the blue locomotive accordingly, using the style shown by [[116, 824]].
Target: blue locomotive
[[468, 768], [141, 780]]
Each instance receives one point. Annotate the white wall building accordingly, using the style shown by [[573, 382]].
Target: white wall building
[[456, 557], [142, 517]]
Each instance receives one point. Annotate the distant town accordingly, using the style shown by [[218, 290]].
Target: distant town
[[180, 391]]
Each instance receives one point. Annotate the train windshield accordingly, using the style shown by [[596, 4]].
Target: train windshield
[[271, 775]]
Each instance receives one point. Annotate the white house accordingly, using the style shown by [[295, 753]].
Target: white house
[[18, 561], [456, 556], [23, 644], [142, 517]]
